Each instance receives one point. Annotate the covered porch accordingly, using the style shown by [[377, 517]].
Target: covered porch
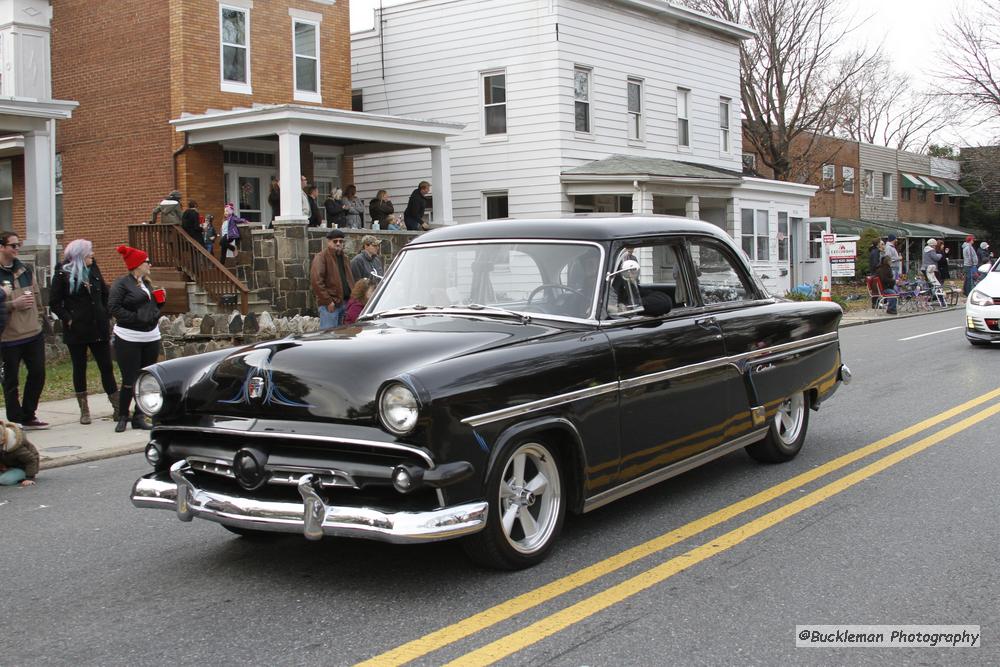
[[339, 134]]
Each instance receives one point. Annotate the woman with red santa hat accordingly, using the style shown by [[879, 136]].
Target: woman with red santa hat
[[135, 306]]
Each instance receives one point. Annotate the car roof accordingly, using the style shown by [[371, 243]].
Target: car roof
[[586, 227]]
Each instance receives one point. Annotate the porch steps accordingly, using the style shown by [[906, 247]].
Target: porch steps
[[200, 303], [175, 283]]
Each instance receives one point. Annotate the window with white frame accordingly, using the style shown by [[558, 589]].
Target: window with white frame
[[868, 184], [847, 173], [58, 187], [683, 119], [305, 36], [234, 26], [634, 109], [581, 95], [495, 204], [782, 236], [755, 234], [749, 163], [494, 103], [829, 173], [887, 188], [724, 105], [6, 195]]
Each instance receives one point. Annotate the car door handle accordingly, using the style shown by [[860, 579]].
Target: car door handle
[[707, 323]]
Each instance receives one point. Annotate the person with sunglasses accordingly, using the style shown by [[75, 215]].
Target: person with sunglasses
[[331, 279], [22, 338]]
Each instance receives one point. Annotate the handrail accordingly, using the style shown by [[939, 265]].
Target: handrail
[[169, 245]]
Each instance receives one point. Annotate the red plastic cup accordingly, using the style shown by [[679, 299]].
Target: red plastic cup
[[160, 295]]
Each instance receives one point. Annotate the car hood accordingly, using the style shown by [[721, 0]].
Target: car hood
[[990, 285], [336, 374]]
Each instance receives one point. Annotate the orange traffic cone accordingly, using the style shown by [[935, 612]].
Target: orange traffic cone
[[825, 294]]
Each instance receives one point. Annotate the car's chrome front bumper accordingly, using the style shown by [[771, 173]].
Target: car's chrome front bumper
[[314, 519]]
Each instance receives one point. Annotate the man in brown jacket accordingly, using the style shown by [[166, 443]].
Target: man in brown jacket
[[332, 281]]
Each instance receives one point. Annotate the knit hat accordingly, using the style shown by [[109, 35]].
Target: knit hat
[[970, 238], [133, 256], [931, 242], [892, 237], [984, 245], [11, 436]]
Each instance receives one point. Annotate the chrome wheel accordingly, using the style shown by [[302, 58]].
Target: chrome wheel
[[530, 498], [789, 419]]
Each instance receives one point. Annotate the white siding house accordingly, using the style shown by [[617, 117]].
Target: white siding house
[[571, 106]]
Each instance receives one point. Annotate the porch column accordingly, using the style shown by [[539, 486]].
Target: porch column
[[290, 175], [692, 208], [441, 185], [733, 220], [642, 201], [38, 193]]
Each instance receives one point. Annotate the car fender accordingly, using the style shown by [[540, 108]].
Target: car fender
[[573, 469]]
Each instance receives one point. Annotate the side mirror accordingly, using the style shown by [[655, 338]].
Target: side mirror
[[985, 268], [627, 265]]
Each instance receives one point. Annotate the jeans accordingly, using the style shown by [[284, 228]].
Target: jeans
[[331, 318], [102, 355], [970, 274], [33, 355], [11, 476], [890, 304]]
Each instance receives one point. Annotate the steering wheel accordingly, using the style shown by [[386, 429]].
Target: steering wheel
[[553, 286]]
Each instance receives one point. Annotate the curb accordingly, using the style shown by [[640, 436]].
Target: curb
[[894, 318], [87, 457]]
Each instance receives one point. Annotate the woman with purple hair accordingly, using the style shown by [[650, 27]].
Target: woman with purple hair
[[79, 298]]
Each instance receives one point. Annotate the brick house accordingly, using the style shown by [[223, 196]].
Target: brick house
[[911, 195], [213, 98]]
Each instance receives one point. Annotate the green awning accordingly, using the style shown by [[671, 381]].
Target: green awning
[[853, 227], [953, 188], [927, 231], [912, 182], [931, 183]]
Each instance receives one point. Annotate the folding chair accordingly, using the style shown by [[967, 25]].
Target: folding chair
[[875, 293]]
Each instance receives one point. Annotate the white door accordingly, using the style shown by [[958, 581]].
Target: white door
[[247, 188], [809, 248]]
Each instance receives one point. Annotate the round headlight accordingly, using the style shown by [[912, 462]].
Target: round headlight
[[398, 409], [149, 394]]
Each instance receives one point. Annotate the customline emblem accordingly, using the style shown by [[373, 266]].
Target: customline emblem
[[255, 388], [259, 382]]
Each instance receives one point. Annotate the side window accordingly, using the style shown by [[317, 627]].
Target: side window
[[717, 274], [660, 270]]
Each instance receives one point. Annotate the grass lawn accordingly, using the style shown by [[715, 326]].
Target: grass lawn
[[59, 380]]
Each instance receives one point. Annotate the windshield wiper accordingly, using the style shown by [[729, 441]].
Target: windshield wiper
[[492, 310], [403, 310]]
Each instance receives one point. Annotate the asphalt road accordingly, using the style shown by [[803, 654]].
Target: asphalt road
[[88, 579]]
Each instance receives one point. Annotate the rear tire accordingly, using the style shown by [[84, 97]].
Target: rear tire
[[786, 433], [527, 506]]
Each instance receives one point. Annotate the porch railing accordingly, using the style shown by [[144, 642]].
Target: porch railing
[[169, 246]]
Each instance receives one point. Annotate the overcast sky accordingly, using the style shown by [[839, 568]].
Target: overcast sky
[[907, 30]]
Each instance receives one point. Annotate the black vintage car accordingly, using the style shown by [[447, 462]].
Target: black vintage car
[[503, 374]]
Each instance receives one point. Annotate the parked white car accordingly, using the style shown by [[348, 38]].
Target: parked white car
[[982, 309]]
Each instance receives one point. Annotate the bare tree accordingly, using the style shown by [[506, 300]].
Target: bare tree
[[795, 76], [971, 53], [883, 108]]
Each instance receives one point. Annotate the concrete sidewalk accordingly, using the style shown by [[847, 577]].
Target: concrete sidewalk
[[68, 441]]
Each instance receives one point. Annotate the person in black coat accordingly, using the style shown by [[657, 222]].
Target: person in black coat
[[191, 221], [315, 218], [413, 216], [79, 298], [135, 306]]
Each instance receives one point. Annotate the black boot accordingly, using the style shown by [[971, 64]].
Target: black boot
[[124, 401], [139, 421]]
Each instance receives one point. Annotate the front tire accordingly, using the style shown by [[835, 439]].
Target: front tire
[[787, 432], [527, 506]]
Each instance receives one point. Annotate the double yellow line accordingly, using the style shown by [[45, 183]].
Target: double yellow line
[[575, 613]]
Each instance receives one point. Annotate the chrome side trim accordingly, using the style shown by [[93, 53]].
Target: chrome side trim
[[518, 410], [302, 436], [673, 470], [767, 353], [311, 517]]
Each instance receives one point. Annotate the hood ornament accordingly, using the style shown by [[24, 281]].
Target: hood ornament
[[259, 383]]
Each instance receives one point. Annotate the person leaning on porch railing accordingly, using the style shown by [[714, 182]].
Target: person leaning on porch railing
[[169, 209]]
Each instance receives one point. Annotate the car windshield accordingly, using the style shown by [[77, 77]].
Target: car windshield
[[533, 278]]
